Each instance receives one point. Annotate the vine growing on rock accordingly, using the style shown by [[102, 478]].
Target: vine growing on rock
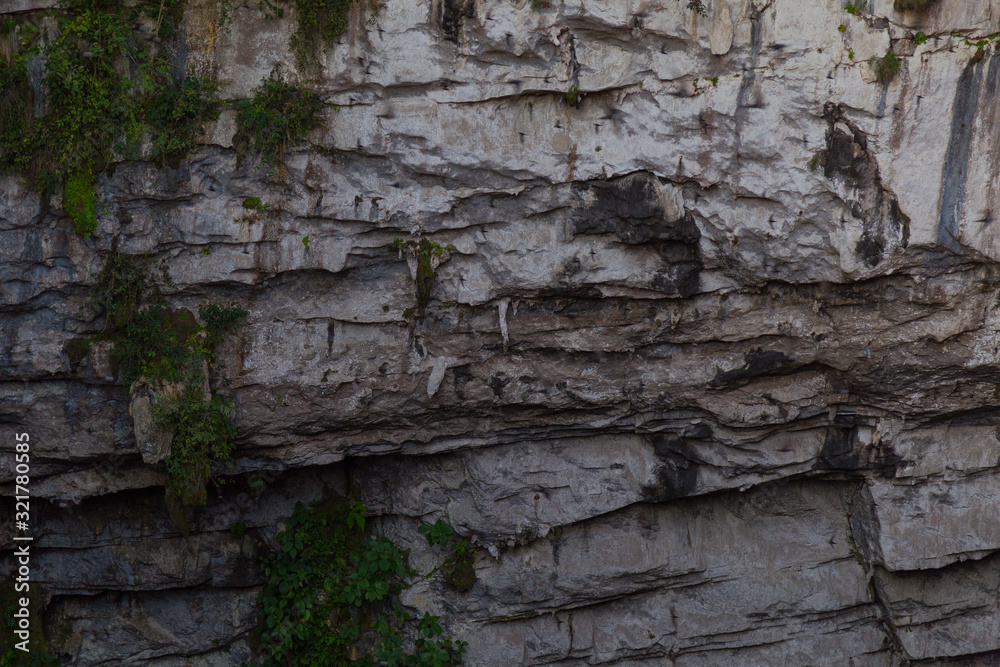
[[168, 347], [106, 86], [329, 598]]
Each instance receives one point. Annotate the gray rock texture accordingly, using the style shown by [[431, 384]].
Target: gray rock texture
[[709, 370]]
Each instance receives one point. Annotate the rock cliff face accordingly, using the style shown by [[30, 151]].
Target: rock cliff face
[[708, 371]]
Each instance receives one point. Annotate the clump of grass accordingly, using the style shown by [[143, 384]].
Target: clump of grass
[[887, 67]]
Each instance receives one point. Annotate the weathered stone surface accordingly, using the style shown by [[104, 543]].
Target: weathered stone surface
[[709, 375]]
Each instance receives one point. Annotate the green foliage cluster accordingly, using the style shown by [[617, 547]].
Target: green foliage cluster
[[424, 252], [220, 321], [154, 341], [458, 568], [920, 38], [176, 113], [329, 598], [79, 202], [202, 433], [254, 204], [118, 289], [279, 114], [158, 343], [887, 67], [318, 25], [698, 7], [852, 8], [981, 44], [105, 87]]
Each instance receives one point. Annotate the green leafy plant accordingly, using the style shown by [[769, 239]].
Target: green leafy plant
[[425, 272], [841, 27], [254, 204], [851, 8], [80, 203], [118, 289], [698, 7], [920, 38], [176, 113], [305, 242], [458, 568], [106, 85], [850, 54], [278, 115], [202, 434], [154, 341], [221, 321], [329, 598], [887, 67]]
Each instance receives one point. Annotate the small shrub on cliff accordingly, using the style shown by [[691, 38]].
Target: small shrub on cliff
[[279, 114], [176, 113], [156, 343], [118, 289], [220, 320], [329, 598], [202, 434], [698, 7], [887, 67]]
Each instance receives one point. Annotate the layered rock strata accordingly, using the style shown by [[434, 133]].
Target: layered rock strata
[[710, 375]]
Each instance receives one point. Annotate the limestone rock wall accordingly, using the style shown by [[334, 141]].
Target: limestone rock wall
[[710, 373]]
